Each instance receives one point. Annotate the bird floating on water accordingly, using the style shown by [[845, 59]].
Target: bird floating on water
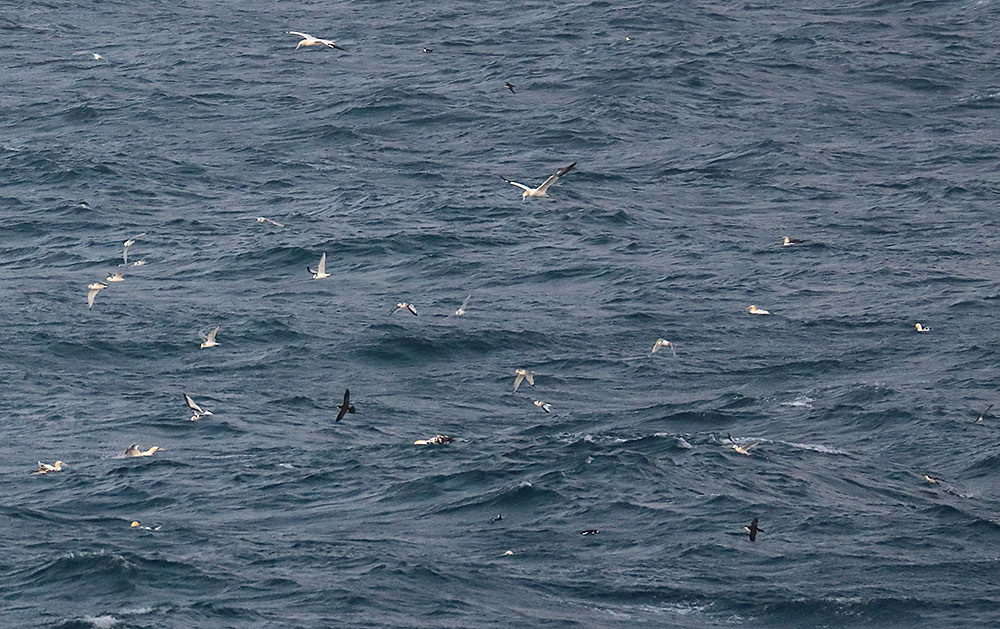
[[753, 529], [346, 407], [510, 86], [663, 343], [118, 276], [133, 450], [309, 40], [436, 440], [754, 310], [94, 289], [208, 340], [983, 414], [404, 306], [45, 468], [135, 525], [521, 374], [540, 191], [745, 450], [199, 412], [320, 271], [921, 328], [788, 242], [262, 219], [428, 50], [543, 405]]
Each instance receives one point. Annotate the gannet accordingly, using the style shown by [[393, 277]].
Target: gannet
[[754, 310], [788, 242], [309, 40], [508, 553], [93, 55], [983, 414], [133, 450], [346, 407], [461, 309], [543, 405], [521, 374], [94, 288], [320, 271], [135, 525], [434, 441], [741, 449], [118, 276], [401, 305], [932, 481], [540, 190], [921, 328], [510, 86], [663, 343], [208, 340], [261, 219], [45, 468], [753, 529], [199, 412]]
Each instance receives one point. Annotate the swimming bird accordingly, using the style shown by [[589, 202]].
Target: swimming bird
[[497, 517], [932, 481], [261, 219], [753, 529], [434, 441], [741, 449], [118, 276], [510, 86], [309, 40], [428, 50], [208, 340], [754, 310], [921, 328], [199, 412], [401, 305], [590, 532], [508, 553], [94, 289], [544, 406], [346, 407], [461, 309], [983, 414], [93, 55], [135, 525], [45, 468], [133, 450], [540, 191], [663, 343], [320, 271], [521, 374], [788, 242]]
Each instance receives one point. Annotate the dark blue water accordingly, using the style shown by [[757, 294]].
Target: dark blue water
[[867, 129]]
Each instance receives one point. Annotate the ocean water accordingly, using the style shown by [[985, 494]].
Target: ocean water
[[703, 133]]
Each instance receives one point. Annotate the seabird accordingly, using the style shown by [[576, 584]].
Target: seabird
[[921, 328], [663, 343], [521, 374], [346, 406], [788, 242], [590, 532], [309, 40], [320, 271], [428, 50], [754, 310], [135, 525], [753, 529], [199, 412], [208, 340], [117, 277], [983, 414], [742, 449], [508, 553], [261, 219], [932, 481], [543, 405], [45, 468], [540, 190], [461, 309], [497, 517], [434, 441], [509, 86], [133, 450], [94, 288], [93, 55], [401, 305], [128, 243]]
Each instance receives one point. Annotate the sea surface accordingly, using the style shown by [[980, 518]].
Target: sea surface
[[702, 132]]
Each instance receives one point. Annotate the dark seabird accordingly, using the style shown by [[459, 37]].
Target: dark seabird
[[346, 406], [428, 50], [983, 414], [590, 532], [497, 517], [753, 530], [509, 86]]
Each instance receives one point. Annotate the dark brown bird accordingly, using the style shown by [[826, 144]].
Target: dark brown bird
[[509, 86], [346, 406], [753, 530]]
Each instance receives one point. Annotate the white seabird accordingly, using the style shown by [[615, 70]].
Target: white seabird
[[94, 289], [320, 271], [932, 481], [754, 310], [135, 525], [921, 328], [521, 374], [133, 451], [403, 305], [117, 276], [199, 412], [45, 468], [309, 40], [540, 191], [128, 243], [436, 440], [93, 55], [461, 309], [788, 242], [663, 343], [543, 405], [261, 219], [208, 340], [983, 414], [742, 449]]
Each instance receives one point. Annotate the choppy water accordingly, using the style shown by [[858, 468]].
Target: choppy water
[[868, 129]]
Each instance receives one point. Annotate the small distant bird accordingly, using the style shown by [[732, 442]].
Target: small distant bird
[[198, 411], [208, 340], [932, 481], [320, 271], [403, 305], [753, 529], [921, 328], [508, 553], [428, 50], [118, 276], [436, 440], [93, 55], [590, 532], [461, 309], [627, 38], [663, 343], [510, 86], [346, 407], [521, 374], [741, 449], [754, 310], [540, 191], [983, 414], [309, 40], [128, 243], [261, 219], [135, 525], [788, 242], [544, 406], [497, 517], [94, 289], [133, 450], [45, 468]]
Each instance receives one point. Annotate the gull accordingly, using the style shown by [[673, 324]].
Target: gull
[[199, 412], [93, 55], [543, 405], [921, 328], [510, 86], [133, 450], [521, 374], [320, 271], [753, 529], [135, 525], [663, 343], [401, 305], [94, 288], [309, 40], [208, 340], [742, 449], [128, 243], [434, 441], [45, 468], [983, 414], [346, 407], [540, 190], [754, 310], [461, 309], [118, 276], [788, 242], [261, 219]]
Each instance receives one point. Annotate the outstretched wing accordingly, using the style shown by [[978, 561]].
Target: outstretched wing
[[191, 404], [554, 178], [411, 309], [517, 381], [519, 185], [302, 35], [531, 378], [466, 302]]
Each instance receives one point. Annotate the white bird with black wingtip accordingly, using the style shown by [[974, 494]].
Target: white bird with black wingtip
[[540, 191]]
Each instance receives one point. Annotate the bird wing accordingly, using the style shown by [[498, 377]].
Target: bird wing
[[332, 45], [752, 445], [517, 380], [554, 178], [347, 397], [125, 255], [530, 377], [519, 185], [321, 269], [275, 223], [192, 405], [211, 335], [393, 310], [343, 411], [466, 302], [90, 297], [411, 309], [302, 35]]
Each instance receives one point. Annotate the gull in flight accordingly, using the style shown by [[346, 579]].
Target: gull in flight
[[199, 412], [788, 242], [983, 414], [208, 340], [45, 468], [135, 525], [118, 276], [662, 343], [461, 309], [401, 305], [320, 271], [543, 405], [753, 529], [436, 440], [346, 407], [94, 289], [745, 450], [261, 219], [133, 450], [921, 328], [128, 243], [540, 190], [521, 374], [754, 310], [510, 86], [92, 55], [309, 40]]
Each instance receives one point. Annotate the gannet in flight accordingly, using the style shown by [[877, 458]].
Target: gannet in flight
[[94, 288], [983, 414], [510, 86], [45, 468], [741, 449], [543, 405], [135, 525], [118, 276], [788, 242], [921, 328], [261, 219], [133, 450], [754, 310], [753, 529], [932, 481], [320, 271], [540, 190], [461, 309], [199, 412], [309, 40], [403, 305], [521, 374], [434, 441], [346, 407], [663, 343], [208, 340]]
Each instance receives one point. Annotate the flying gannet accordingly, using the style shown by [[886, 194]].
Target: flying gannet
[[93, 55], [198, 411], [133, 450], [754, 310], [346, 407], [45, 468], [320, 271], [261, 219], [461, 309], [663, 343], [403, 305], [309, 40], [932, 481], [753, 529], [521, 374], [208, 340], [741, 449], [921, 328], [540, 191], [94, 289], [543, 405], [434, 441]]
